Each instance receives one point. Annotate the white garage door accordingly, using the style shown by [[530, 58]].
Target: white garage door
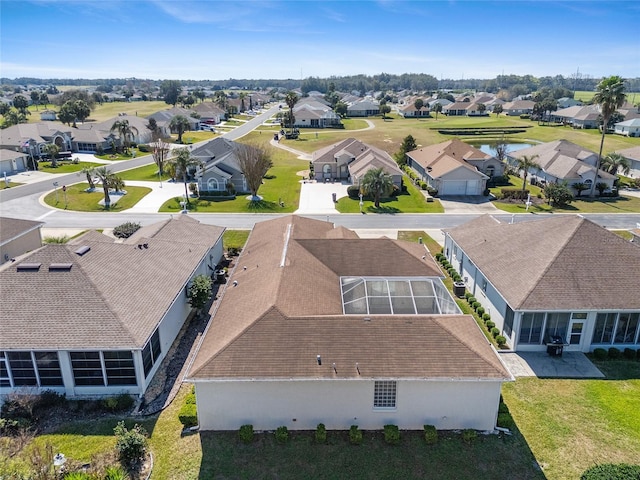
[[454, 187]]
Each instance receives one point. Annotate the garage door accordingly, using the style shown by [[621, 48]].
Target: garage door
[[454, 187]]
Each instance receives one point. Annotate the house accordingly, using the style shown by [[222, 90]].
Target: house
[[31, 138], [577, 116], [163, 118], [315, 114], [12, 162], [454, 167], [633, 155], [628, 128], [559, 276], [518, 107], [221, 167], [138, 126], [456, 109], [17, 237], [363, 108], [209, 113], [636, 235], [314, 329], [96, 317], [566, 102], [350, 160], [48, 115], [410, 111], [562, 161]]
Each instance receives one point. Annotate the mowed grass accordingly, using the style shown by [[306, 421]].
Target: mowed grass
[[410, 202], [78, 199], [4, 185], [63, 168], [147, 173], [234, 238]]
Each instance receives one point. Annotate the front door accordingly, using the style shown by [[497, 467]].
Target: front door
[[576, 330]]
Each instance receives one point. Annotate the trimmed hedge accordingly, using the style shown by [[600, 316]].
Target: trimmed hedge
[[355, 435], [321, 433], [480, 310], [490, 325], [391, 434], [282, 434], [610, 471], [614, 353], [501, 340], [188, 415], [430, 434], [486, 317], [246, 433], [495, 332], [600, 354], [629, 353]]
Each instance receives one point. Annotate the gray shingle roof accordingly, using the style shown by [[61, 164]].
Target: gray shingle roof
[[11, 228]]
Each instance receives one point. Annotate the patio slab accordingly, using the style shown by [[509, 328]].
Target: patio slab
[[542, 365]]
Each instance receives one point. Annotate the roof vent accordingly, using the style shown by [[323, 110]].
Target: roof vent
[[60, 267], [29, 267], [82, 250], [367, 319], [145, 245], [319, 359]]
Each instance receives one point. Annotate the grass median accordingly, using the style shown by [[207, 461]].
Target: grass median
[[77, 198]]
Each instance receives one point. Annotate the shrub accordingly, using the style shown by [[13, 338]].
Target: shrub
[[495, 332], [355, 435], [114, 473], [610, 471], [246, 433], [321, 433], [629, 353], [391, 434], [282, 434], [471, 299], [353, 191], [439, 257], [480, 310], [423, 185], [120, 402], [49, 399], [469, 435], [514, 193], [467, 295], [600, 354], [486, 317], [475, 305], [430, 434], [131, 445], [501, 340], [144, 148], [188, 415], [505, 420], [126, 229], [614, 353], [456, 277], [490, 325]]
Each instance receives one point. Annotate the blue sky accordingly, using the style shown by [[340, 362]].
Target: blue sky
[[213, 40]]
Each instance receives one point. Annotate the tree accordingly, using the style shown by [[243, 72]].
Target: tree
[[44, 99], [170, 90], [242, 96], [13, 117], [125, 132], [384, 109], [601, 187], [615, 162], [67, 113], [182, 162], [82, 110], [35, 98], [291, 99], [558, 193], [220, 99], [341, 108], [437, 107], [199, 94], [418, 104], [4, 108], [408, 144], [501, 148], [180, 124], [482, 108], [108, 179], [254, 162], [21, 103], [199, 291], [73, 95], [131, 445], [376, 182], [497, 109], [580, 187], [160, 152], [152, 126], [52, 150], [525, 163], [609, 96], [88, 172]]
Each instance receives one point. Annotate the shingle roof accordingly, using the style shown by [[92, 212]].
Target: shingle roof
[[286, 308], [445, 157], [365, 157], [11, 228], [112, 297], [632, 153], [559, 263]]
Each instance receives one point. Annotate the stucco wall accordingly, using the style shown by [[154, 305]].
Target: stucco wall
[[301, 405], [23, 244]]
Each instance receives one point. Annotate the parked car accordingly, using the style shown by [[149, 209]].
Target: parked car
[[208, 128]]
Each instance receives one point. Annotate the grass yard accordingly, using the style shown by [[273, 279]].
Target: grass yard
[[82, 201], [4, 185], [147, 173], [69, 167], [109, 110], [411, 202], [234, 238]]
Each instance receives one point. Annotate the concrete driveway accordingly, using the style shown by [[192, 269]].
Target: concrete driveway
[[317, 198], [467, 204]]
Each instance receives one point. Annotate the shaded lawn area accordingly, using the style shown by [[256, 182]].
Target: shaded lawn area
[[148, 173], [80, 200], [234, 238], [410, 202], [66, 167]]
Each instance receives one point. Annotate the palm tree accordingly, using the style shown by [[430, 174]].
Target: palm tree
[[52, 150], [242, 96], [525, 163], [610, 96], [89, 172], [182, 162], [291, 99], [437, 107], [376, 182], [614, 162], [125, 132], [180, 124], [107, 178]]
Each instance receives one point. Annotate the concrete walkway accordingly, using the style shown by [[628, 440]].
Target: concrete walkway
[[542, 365]]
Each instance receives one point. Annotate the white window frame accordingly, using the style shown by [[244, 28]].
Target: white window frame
[[385, 395]]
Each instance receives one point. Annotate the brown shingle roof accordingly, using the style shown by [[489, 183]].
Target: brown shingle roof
[[287, 308], [559, 263], [445, 157]]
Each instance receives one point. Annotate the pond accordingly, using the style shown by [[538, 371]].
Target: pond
[[511, 147]]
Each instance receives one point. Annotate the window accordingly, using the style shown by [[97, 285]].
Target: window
[[384, 394], [49, 369], [557, 326], [603, 331], [5, 381], [87, 368], [627, 328], [151, 352], [531, 328], [119, 367], [508, 322], [22, 370]]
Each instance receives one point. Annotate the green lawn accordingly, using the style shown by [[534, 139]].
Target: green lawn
[[66, 167], [235, 238], [124, 156], [3, 184], [82, 201], [148, 173], [109, 110]]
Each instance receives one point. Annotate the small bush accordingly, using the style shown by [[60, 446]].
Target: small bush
[[629, 353], [506, 421], [355, 435], [282, 434], [609, 471], [246, 433], [475, 305], [321, 433], [126, 229], [188, 415], [353, 191], [480, 310], [614, 353], [467, 295], [495, 332], [121, 402], [131, 445], [514, 193], [471, 300], [114, 473], [144, 148], [391, 434], [486, 317], [49, 399], [430, 434], [490, 325], [469, 435], [456, 277], [600, 354], [501, 340], [190, 398]]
